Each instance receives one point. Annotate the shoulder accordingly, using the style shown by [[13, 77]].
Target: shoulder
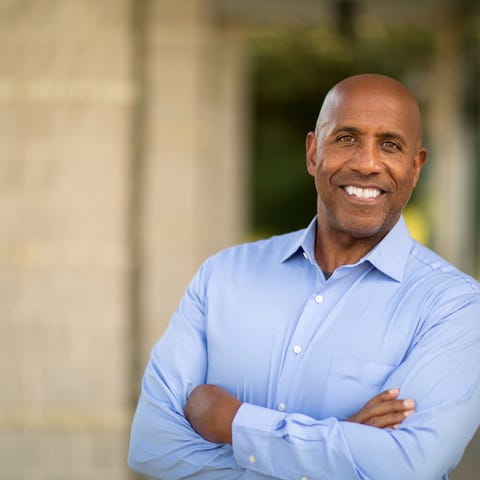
[[249, 258], [440, 288], [426, 263], [233, 265], [271, 249]]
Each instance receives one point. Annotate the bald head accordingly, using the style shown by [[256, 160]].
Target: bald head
[[380, 87]]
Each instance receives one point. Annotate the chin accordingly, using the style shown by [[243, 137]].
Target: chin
[[364, 234], [363, 230], [358, 226]]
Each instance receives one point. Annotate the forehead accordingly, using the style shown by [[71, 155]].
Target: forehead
[[372, 110]]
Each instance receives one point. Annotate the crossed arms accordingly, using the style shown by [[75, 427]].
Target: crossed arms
[[177, 427], [211, 411]]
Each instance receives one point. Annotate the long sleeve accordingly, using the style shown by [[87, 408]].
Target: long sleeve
[[441, 373], [163, 444]]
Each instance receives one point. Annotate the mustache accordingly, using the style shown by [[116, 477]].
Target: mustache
[[359, 180]]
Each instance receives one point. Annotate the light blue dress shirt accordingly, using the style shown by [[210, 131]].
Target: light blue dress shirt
[[305, 353]]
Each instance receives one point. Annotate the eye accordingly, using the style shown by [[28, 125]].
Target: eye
[[346, 139], [391, 145]]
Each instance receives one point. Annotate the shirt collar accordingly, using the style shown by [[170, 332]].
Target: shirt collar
[[303, 240], [389, 256]]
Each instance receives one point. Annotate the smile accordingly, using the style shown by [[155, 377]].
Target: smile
[[362, 192]]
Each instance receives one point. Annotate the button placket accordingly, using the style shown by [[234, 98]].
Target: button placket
[[299, 342]]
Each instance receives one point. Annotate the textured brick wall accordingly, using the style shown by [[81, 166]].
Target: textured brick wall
[[194, 169], [114, 115], [65, 97]]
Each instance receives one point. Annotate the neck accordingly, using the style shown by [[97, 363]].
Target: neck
[[334, 250]]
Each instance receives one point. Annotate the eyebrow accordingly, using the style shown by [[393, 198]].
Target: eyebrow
[[346, 129], [391, 136], [380, 136]]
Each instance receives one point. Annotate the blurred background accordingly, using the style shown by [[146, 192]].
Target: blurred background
[[139, 136]]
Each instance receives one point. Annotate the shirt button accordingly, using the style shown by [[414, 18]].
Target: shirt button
[[297, 349], [252, 459], [304, 477], [305, 254], [282, 407], [319, 299]]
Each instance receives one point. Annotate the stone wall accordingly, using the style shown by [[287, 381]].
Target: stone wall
[[121, 140]]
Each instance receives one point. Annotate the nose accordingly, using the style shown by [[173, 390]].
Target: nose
[[366, 159]]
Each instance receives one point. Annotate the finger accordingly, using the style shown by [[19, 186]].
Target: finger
[[384, 396], [373, 410], [387, 421], [364, 413], [392, 406]]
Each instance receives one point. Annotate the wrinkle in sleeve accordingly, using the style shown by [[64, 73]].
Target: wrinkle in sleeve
[[288, 446], [162, 442]]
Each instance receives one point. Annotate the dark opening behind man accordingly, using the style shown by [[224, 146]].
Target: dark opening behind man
[[274, 362]]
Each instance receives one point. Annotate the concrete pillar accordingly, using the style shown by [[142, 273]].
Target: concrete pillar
[[122, 128], [452, 160], [65, 101], [195, 170]]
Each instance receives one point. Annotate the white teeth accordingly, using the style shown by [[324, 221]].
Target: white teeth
[[363, 192]]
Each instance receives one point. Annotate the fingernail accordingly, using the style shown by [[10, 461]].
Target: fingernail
[[396, 426], [408, 413], [409, 403], [393, 390]]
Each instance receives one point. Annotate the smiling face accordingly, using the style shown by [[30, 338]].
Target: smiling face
[[366, 156]]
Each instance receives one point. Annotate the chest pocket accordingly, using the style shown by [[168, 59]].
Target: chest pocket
[[350, 384]]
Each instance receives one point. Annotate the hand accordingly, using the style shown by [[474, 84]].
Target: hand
[[210, 411], [384, 410]]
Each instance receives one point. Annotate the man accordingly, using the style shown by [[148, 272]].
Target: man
[[342, 351]]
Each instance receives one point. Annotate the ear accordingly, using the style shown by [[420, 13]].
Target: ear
[[311, 152], [418, 163]]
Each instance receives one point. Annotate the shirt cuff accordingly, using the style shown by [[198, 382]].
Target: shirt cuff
[[251, 434]]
